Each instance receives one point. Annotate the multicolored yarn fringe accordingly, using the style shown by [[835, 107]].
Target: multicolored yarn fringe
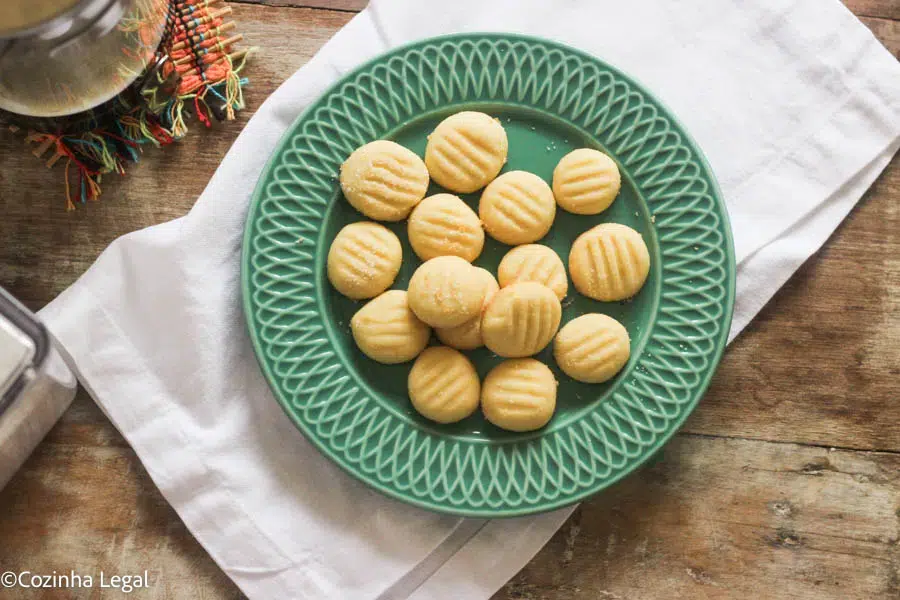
[[196, 72]]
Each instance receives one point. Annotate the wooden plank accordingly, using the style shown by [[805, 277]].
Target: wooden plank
[[822, 524], [884, 9], [887, 31], [731, 519], [345, 5]]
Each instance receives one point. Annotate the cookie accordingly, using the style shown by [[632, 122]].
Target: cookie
[[609, 262], [444, 225], [383, 180], [533, 262], [586, 182], [517, 208], [521, 320], [364, 260], [592, 348], [446, 291], [443, 385], [519, 395], [466, 151], [387, 331]]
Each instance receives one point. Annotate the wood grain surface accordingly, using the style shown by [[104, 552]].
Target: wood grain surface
[[785, 483]]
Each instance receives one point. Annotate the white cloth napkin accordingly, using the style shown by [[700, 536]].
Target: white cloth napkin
[[797, 107]]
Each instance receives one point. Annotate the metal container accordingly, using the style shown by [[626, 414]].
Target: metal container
[[61, 57], [35, 384]]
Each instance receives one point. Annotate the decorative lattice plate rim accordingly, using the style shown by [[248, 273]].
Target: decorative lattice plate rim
[[327, 400]]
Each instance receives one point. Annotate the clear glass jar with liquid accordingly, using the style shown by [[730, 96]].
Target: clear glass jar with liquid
[[61, 57]]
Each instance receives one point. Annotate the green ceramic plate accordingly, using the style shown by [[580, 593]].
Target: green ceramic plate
[[551, 99]]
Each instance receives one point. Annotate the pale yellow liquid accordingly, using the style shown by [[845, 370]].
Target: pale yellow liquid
[[22, 14]]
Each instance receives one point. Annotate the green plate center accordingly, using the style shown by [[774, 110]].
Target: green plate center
[[537, 141]]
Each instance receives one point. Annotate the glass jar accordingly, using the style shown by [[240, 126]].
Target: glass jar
[[61, 57]]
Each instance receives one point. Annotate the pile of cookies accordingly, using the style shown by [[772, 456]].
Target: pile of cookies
[[515, 315]]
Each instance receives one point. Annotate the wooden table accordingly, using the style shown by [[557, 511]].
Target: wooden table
[[785, 483]]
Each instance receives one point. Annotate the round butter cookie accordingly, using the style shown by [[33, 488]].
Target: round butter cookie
[[592, 348], [466, 151], [521, 320], [609, 262], [443, 385], [519, 395], [364, 260], [383, 180], [586, 182], [533, 262], [386, 330], [468, 335], [517, 208], [444, 225], [446, 291]]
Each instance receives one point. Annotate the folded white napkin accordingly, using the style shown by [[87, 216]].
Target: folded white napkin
[[796, 106]]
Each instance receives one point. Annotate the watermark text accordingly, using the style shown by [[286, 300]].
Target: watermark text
[[125, 583]]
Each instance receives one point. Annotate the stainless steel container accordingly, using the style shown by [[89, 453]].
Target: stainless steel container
[[35, 384], [61, 57]]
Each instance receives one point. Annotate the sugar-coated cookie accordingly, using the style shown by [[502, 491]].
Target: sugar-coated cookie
[[533, 262], [521, 320], [383, 180], [519, 395], [446, 291], [466, 151], [386, 330], [609, 262], [444, 225], [364, 260], [443, 385], [586, 181], [517, 208], [468, 335], [592, 348]]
